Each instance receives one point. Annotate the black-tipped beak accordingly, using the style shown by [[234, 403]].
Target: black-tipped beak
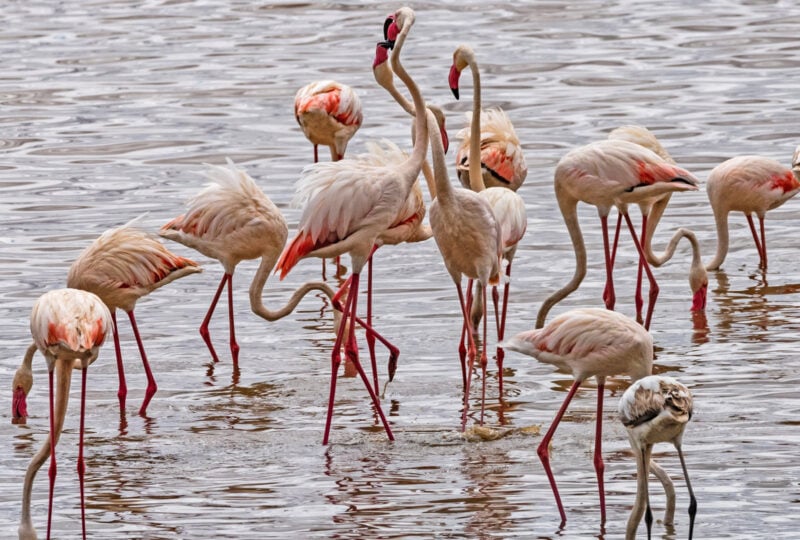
[[455, 92]]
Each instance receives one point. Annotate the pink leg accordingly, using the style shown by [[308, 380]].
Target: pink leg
[[81, 464], [502, 330], [599, 466], [53, 468], [763, 243], [639, 301], [336, 358], [755, 237], [650, 278], [204, 333], [323, 269], [350, 307], [123, 388], [151, 381], [544, 448], [471, 353], [234, 345], [484, 359], [608, 293], [370, 336]]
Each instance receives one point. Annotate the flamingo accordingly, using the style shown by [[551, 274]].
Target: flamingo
[[507, 206], [68, 327], [352, 204], [329, 113], [588, 342], [749, 184], [469, 238], [655, 409], [605, 174], [502, 163], [121, 266], [21, 386]]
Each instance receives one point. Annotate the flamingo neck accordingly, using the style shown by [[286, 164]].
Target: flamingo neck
[[569, 210], [721, 219], [475, 173], [443, 188], [413, 164], [257, 289]]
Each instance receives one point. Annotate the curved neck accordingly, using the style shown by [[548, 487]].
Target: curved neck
[[257, 288], [721, 219], [642, 497], [414, 161], [669, 251], [63, 372], [569, 209], [669, 491], [475, 173]]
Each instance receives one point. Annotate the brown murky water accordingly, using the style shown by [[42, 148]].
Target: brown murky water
[[108, 110]]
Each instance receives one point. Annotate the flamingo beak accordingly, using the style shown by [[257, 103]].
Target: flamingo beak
[[699, 298], [381, 54], [445, 139], [453, 80], [19, 407], [390, 31]]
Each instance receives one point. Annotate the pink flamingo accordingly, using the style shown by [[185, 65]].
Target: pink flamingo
[[507, 206], [121, 266], [351, 206], [502, 163], [655, 409], [605, 174], [232, 220], [588, 342], [329, 113], [749, 184], [68, 327]]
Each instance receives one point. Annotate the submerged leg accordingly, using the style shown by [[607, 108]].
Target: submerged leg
[[638, 300], [650, 277], [759, 247], [692, 500], [336, 359], [234, 345], [151, 381], [608, 293], [599, 466], [204, 333], [484, 359], [123, 388], [471, 352], [81, 464]]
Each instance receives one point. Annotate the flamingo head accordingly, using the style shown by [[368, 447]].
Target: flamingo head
[[390, 30], [19, 406], [462, 57], [698, 281]]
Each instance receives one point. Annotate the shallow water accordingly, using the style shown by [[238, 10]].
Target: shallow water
[[110, 108]]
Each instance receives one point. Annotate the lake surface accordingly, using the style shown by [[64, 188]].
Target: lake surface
[[109, 108]]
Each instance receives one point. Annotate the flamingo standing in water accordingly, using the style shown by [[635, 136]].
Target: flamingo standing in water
[[588, 342], [352, 204], [121, 266], [749, 184], [329, 113], [507, 206], [605, 174], [655, 409], [68, 327]]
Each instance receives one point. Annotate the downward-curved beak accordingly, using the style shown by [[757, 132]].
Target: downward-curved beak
[[453, 80], [699, 298], [19, 407]]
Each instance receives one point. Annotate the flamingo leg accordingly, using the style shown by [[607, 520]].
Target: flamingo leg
[[204, 333], [371, 336], [599, 466], [336, 358], [484, 359], [544, 448], [316, 158], [755, 238], [501, 353], [692, 500], [123, 388], [51, 472], [648, 513], [234, 345], [650, 278], [763, 243], [465, 307], [151, 381], [639, 301], [608, 293], [81, 463], [323, 270]]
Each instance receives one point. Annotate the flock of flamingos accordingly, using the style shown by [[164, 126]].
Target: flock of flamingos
[[354, 205]]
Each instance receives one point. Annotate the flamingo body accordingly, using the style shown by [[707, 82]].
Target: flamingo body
[[655, 409], [329, 113], [589, 342], [753, 185], [68, 327]]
